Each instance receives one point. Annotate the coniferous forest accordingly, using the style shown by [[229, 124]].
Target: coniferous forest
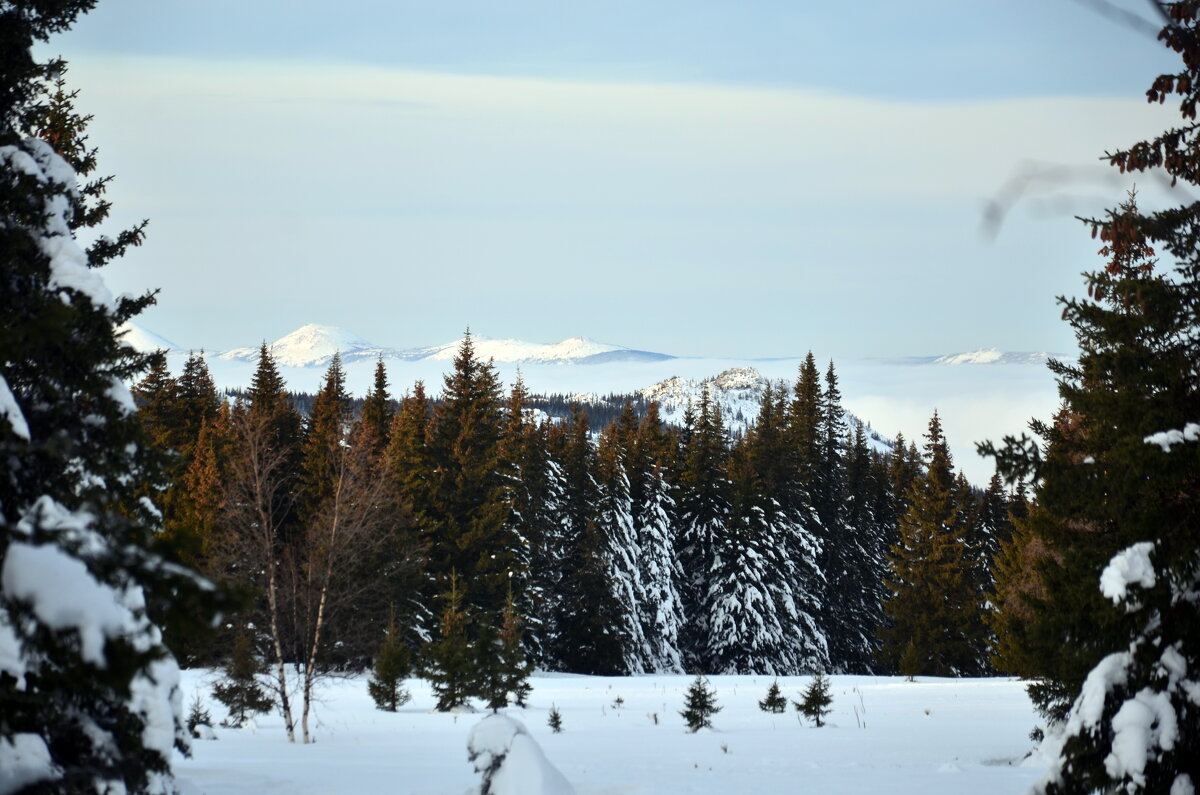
[[624, 548]]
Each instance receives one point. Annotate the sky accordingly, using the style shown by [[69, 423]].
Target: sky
[[721, 179]]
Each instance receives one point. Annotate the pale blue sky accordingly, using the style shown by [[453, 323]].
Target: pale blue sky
[[698, 178]]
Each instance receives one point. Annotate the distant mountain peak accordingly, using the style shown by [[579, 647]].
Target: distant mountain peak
[[994, 356], [143, 340], [312, 345]]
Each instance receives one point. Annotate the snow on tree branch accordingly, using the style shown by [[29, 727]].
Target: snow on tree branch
[[1165, 439]]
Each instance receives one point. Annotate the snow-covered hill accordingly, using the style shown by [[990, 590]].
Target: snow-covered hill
[[738, 391]]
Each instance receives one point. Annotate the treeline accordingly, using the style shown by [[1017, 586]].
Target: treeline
[[795, 546]]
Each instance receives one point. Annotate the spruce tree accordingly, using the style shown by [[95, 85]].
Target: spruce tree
[[449, 659], [747, 631], [661, 613], [514, 667], [774, 700], [468, 506], [1110, 623], [933, 609], [96, 696], [586, 635], [392, 666], [703, 512], [554, 720], [239, 689], [700, 704], [814, 704], [377, 410]]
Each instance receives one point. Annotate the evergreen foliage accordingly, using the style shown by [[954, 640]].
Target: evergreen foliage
[[815, 703], [554, 720], [392, 666], [774, 700], [700, 704], [239, 689], [107, 714], [1100, 583], [197, 716], [934, 608], [450, 664]]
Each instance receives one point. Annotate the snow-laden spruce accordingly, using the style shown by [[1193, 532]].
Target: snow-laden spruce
[[89, 696], [1143, 703]]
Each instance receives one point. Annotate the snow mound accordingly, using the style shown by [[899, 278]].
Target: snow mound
[[143, 340], [511, 762]]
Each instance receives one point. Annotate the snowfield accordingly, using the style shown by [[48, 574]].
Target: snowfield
[[884, 735]]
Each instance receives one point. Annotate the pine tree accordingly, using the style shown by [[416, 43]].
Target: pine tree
[[700, 704], [75, 458], [392, 666], [774, 701], [814, 704], [239, 689], [554, 720]]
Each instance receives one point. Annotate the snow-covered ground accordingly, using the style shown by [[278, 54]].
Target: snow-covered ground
[[885, 735]]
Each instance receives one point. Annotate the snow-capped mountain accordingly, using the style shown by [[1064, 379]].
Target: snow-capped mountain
[[993, 356], [313, 345], [142, 340], [576, 350]]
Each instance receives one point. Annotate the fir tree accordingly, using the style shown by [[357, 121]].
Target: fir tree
[[814, 704], [774, 701], [700, 704], [239, 689], [554, 720]]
